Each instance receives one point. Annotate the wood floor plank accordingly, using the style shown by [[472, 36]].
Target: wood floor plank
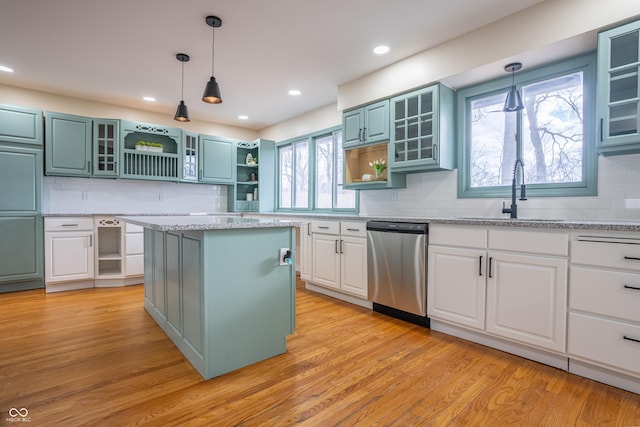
[[95, 357]]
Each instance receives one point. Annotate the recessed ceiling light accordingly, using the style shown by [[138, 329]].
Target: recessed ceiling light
[[381, 50], [149, 98], [294, 92], [243, 117], [6, 69]]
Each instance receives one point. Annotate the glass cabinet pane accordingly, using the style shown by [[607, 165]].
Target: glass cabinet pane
[[412, 106], [426, 103], [623, 119], [623, 85], [624, 49], [399, 110]]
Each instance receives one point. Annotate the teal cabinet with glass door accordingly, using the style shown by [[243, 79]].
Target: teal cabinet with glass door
[[106, 148], [422, 130], [618, 90], [366, 125], [189, 156]]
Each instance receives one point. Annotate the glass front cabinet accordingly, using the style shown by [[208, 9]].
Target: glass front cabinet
[[618, 96], [422, 130]]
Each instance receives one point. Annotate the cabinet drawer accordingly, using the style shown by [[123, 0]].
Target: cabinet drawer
[[68, 224], [458, 236], [356, 229], [604, 292], [609, 255], [603, 340], [133, 228], [134, 244], [532, 242], [325, 227]]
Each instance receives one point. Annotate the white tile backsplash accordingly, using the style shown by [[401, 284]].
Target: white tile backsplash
[[435, 194], [64, 195]]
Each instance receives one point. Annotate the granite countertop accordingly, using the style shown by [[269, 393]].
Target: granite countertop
[[205, 222], [560, 224]]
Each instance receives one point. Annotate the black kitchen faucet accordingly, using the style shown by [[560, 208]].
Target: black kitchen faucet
[[513, 210]]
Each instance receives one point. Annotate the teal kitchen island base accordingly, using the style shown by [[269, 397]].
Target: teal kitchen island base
[[217, 288]]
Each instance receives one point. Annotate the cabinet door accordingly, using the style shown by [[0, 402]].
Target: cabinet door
[[106, 148], [353, 263], [216, 161], [352, 124], [306, 249], [527, 299], [414, 137], [69, 256], [376, 122], [20, 125], [618, 91], [189, 156], [68, 145], [326, 260], [456, 285], [20, 248], [21, 178]]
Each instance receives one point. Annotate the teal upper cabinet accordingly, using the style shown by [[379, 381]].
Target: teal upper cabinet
[[366, 125], [217, 160], [422, 134], [189, 157], [20, 125], [68, 145], [21, 177], [150, 151], [255, 177], [618, 96], [106, 147], [81, 146]]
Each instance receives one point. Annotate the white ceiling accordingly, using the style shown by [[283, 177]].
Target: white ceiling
[[116, 51]]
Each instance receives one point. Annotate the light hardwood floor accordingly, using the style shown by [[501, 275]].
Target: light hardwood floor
[[94, 357]]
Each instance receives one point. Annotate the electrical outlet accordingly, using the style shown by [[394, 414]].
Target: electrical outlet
[[85, 195], [285, 256]]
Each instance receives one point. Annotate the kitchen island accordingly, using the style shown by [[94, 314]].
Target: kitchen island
[[219, 287]]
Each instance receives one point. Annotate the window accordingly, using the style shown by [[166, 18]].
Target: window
[[319, 156], [553, 135], [293, 160]]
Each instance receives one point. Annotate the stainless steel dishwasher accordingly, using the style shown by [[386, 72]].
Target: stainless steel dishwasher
[[397, 264]]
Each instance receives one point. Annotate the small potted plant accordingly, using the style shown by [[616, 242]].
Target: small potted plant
[[149, 146], [378, 167]]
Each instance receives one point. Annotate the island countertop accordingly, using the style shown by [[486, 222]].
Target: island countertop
[[206, 222]]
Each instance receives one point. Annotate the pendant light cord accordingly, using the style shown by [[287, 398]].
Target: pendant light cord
[[182, 84], [213, 44]]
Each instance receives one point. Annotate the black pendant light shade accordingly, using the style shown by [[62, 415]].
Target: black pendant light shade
[[514, 100], [212, 90], [182, 113]]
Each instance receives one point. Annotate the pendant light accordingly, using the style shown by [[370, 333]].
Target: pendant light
[[182, 113], [212, 90], [513, 101]]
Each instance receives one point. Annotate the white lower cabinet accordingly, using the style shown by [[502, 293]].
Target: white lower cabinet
[[504, 283], [134, 250], [69, 253], [338, 253], [526, 299], [604, 307], [305, 249], [87, 252]]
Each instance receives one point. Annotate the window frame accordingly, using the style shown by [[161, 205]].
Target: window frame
[[588, 186], [311, 202]]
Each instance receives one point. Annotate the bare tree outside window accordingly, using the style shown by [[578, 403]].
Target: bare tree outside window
[[550, 143]]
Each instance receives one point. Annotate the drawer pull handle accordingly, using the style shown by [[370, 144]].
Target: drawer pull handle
[[69, 225], [635, 288], [353, 229], [632, 258], [630, 339], [323, 227]]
